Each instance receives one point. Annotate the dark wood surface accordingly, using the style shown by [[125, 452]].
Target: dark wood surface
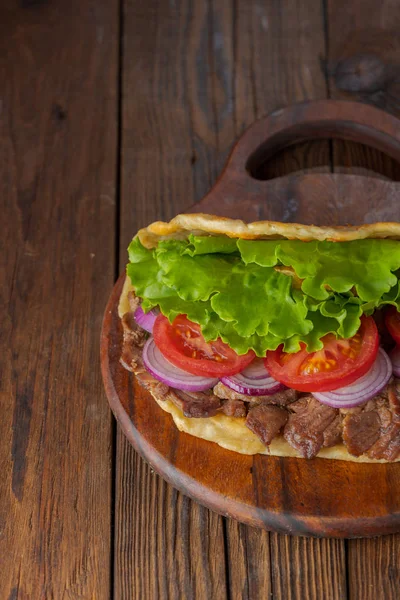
[[112, 115], [58, 148]]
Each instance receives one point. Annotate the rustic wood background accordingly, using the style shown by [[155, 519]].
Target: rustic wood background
[[114, 113]]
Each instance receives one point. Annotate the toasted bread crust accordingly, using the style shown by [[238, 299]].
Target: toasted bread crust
[[181, 226]]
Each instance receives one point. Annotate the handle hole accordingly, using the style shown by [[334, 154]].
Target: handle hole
[[323, 156]]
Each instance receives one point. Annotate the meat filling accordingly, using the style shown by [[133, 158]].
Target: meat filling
[[281, 398], [132, 333], [360, 431], [234, 408], [333, 433], [306, 425], [266, 421], [195, 404], [372, 429], [388, 445]]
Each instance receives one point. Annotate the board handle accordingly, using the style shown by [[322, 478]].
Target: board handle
[[239, 193]]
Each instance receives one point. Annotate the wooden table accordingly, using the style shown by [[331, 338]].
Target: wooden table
[[114, 114]]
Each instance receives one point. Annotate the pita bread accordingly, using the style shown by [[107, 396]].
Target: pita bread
[[230, 432], [199, 224]]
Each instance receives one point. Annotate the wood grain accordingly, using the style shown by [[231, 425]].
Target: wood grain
[[308, 566], [57, 172], [353, 33], [248, 561], [357, 39], [160, 556], [166, 546], [373, 568]]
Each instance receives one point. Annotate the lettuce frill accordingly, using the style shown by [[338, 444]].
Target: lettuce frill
[[259, 294]]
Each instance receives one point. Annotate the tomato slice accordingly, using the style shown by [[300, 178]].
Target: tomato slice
[[392, 322], [338, 364], [183, 345]]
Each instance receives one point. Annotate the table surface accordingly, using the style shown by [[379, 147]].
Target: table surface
[[115, 113]]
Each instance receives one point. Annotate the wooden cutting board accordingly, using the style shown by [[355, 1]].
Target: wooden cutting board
[[306, 497]]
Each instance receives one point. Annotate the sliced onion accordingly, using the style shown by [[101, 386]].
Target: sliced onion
[[395, 359], [158, 366], [254, 380], [363, 389], [145, 320]]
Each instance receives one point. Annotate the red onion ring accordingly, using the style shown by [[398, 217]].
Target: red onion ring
[[158, 366], [394, 356], [145, 320], [254, 380], [363, 389]]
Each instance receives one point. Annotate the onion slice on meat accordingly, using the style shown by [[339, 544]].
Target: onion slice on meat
[[145, 320], [158, 366], [363, 389], [254, 380], [395, 359]]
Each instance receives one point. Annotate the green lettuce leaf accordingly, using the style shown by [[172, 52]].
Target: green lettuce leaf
[[261, 252], [265, 297], [193, 277], [216, 328], [209, 244], [230, 287], [367, 265], [145, 274]]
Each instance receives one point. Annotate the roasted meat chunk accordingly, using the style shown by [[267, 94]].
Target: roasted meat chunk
[[307, 423], [266, 421]]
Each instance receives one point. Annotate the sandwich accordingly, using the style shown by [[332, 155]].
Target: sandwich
[[269, 338]]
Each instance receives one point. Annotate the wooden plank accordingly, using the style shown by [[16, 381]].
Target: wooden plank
[[374, 568], [58, 65], [356, 31], [363, 49], [249, 561], [166, 545], [315, 565]]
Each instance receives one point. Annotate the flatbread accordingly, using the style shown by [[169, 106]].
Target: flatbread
[[231, 432], [183, 225]]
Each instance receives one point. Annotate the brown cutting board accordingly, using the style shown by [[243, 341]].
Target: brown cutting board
[[306, 497]]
